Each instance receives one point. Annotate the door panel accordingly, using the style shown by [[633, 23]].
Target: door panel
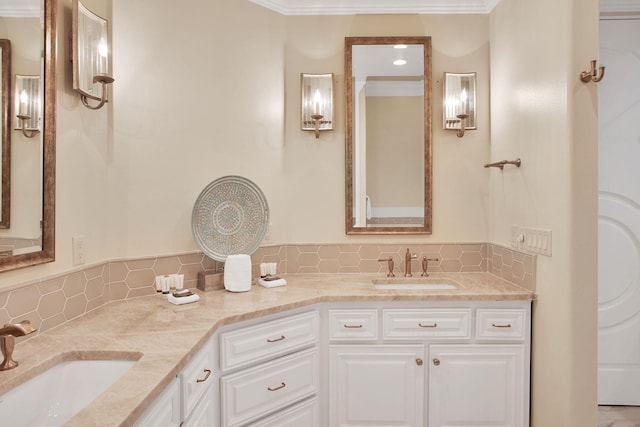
[[619, 214]]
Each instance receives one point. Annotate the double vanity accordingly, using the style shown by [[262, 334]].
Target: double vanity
[[325, 350]]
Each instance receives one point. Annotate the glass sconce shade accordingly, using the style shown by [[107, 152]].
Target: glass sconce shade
[[316, 102], [90, 51], [27, 103], [459, 101]]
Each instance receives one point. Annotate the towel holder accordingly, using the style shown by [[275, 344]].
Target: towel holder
[[516, 162]]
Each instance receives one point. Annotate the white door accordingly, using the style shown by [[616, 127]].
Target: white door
[[376, 385], [477, 385], [619, 214]]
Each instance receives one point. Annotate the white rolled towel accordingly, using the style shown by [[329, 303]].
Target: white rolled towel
[[237, 273]]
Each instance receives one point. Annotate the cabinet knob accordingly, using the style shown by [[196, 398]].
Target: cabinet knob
[[419, 362], [436, 362]]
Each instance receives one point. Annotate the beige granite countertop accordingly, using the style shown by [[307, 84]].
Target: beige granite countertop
[[163, 337]]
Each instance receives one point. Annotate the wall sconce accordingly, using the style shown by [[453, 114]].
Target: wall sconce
[[26, 101], [459, 109], [90, 58], [316, 102]]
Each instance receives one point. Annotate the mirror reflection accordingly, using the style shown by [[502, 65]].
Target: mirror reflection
[[30, 26], [388, 135]]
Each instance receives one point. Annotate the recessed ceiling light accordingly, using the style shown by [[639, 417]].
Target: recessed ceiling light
[[399, 62]]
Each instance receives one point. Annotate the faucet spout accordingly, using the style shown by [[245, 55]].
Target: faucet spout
[[408, 256], [8, 341]]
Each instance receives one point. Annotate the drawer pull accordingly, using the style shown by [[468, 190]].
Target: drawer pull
[[353, 326], [282, 385], [276, 339], [435, 325], [206, 377], [508, 325]]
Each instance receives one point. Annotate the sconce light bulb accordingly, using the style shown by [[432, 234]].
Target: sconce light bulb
[[400, 46], [103, 48], [24, 98], [463, 95], [317, 101]]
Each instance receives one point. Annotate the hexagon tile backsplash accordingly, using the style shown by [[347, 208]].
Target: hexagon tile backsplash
[[49, 302]]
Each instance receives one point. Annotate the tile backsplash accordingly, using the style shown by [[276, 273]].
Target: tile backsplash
[[51, 301]]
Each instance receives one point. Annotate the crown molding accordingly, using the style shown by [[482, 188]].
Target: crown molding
[[338, 7], [20, 8], [619, 6]]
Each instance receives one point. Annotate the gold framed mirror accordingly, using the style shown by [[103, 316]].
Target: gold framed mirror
[[388, 176], [5, 150], [37, 245]]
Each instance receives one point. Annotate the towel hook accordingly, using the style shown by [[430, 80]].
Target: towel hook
[[592, 75]]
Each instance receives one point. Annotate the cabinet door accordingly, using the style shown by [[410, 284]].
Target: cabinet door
[[205, 413], [376, 385], [165, 410], [477, 385]]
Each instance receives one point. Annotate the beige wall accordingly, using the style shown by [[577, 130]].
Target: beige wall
[[543, 114]]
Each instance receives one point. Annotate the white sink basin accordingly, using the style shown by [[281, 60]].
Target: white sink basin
[[414, 286], [56, 395]]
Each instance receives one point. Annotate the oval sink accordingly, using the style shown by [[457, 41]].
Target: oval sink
[[414, 286], [57, 394]]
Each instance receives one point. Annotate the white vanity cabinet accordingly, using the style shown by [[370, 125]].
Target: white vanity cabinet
[[269, 367], [433, 364]]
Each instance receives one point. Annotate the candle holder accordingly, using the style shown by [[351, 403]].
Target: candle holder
[[22, 120]]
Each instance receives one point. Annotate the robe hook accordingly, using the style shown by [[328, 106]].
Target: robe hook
[[593, 75]]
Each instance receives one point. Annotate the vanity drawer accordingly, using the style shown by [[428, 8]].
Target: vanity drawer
[[195, 378], [257, 343], [426, 323], [253, 393], [500, 324], [305, 414], [353, 325]]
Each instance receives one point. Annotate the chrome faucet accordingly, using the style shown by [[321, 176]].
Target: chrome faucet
[[8, 341], [407, 263]]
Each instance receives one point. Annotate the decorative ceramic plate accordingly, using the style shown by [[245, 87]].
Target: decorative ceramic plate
[[230, 217]]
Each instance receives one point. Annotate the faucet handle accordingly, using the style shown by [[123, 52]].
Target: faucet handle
[[425, 265], [390, 264]]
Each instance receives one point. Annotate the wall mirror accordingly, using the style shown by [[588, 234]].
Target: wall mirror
[[5, 149], [31, 27], [388, 135]]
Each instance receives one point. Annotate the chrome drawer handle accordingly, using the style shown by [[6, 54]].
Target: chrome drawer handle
[[353, 326], [276, 339], [206, 377], [282, 385], [435, 325], [508, 325]]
